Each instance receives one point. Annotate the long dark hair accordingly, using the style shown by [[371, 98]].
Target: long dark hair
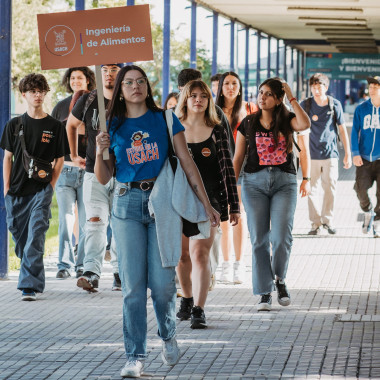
[[116, 107], [280, 115], [238, 101], [171, 95]]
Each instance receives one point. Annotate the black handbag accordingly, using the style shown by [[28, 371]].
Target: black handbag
[[36, 168]]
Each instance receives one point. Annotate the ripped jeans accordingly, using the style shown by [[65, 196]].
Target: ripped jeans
[[98, 204]]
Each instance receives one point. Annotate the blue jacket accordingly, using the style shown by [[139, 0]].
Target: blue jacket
[[173, 198], [365, 135]]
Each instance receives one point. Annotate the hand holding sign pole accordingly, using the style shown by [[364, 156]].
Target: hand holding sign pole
[[95, 37]]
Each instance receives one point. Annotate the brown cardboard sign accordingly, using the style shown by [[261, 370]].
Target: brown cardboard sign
[[94, 37]]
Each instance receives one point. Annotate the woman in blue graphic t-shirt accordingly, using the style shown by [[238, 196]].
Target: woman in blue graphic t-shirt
[[138, 143], [269, 186]]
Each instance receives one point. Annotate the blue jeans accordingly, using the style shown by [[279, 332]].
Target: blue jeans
[[140, 268], [28, 220], [69, 191], [269, 198], [98, 203]]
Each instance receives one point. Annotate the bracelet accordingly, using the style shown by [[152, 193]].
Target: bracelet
[[292, 99], [306, 178]]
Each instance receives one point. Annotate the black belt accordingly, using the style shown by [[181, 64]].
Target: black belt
[[143, 185]]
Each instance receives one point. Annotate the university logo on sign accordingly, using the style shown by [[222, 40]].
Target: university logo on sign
[[60, 40]]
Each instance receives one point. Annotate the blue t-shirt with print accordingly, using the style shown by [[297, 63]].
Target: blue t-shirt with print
[[140, 146], [323, 133]]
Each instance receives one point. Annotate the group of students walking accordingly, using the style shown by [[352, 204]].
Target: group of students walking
[[231, 156]]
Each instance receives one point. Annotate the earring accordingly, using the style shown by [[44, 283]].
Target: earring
[[121, 97], [239, 93]]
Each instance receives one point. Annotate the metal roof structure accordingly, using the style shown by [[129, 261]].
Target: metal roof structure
[[331, 26]]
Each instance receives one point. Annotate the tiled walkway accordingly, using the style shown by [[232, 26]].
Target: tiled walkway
[[331, 329]]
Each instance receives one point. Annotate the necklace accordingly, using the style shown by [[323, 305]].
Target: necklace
[[266, 125]]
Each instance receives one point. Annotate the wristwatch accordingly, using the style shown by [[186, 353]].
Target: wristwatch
[[306, 178]]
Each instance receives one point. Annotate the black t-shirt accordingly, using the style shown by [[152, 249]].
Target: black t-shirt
[[91, 121], [262, 152], [61, 109], [44, 138]]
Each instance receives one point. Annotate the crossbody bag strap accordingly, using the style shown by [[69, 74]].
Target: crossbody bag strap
[[21, 135], [169, 122]]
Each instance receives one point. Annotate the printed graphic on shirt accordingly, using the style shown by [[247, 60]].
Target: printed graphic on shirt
[[371, 121], [47, 136], [141, 150], [268, 153]]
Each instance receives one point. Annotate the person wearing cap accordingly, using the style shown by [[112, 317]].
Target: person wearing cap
[[327, 124], [98, 198], [365, 142]]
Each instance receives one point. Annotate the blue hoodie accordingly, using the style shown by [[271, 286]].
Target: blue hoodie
[[365, 135]]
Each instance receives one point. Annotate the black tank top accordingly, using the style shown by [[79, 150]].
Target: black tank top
[[206, 159]]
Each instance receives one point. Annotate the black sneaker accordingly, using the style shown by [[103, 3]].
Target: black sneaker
[[116, 282], [283, 296], [79, 273], [198, 318], [265, 303], [331, 230], [89, 281], [314, 231], [184, 312], [63, 274]]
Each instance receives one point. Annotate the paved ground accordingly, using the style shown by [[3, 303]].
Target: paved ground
[[331, 329]]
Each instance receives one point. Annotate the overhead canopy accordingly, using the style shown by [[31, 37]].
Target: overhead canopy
[[345, 26]]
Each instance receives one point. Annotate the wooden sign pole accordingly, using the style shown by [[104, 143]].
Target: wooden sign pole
[[101, 108]]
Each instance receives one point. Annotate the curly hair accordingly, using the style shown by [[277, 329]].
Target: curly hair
[[87, 72], [33, 82]]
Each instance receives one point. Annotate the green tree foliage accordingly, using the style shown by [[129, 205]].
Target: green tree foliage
[[25, 46]]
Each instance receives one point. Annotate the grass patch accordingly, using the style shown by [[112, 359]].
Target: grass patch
[[51, 242]]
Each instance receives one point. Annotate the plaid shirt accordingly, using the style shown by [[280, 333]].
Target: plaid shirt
[[228, 195]]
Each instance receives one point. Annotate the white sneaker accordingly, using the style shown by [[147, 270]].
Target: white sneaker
[[376, 228], [226, 272], [212, 283], [265, 303], [368, 220], [133, 368], [239, 272], [170, 352]]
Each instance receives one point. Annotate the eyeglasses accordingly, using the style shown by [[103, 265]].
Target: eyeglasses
[[37, 92], [111, 71], [140, 82]]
